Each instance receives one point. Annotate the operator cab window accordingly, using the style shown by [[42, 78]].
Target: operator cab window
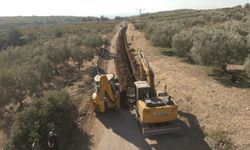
[[143, 93]]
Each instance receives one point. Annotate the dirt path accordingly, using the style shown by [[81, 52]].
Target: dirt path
[[114, 130], [204, 102], [109, 59]]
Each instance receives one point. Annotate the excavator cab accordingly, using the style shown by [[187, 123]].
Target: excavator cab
[[155, 114], [139, 91], [142, 90]]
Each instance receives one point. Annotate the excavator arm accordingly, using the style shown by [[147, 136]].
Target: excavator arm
[[147, 74], [105, 91]]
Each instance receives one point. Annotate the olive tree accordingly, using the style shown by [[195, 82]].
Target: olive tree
[[247, 65], [6, 83], [54, 110], [79, 54], [45, 67], [235, 26], [247, 62], [248, 41], [218, 48], [14, 37], [139, 25], [18, 83], [56, 51], [182, 43], [163, 33], [93, 41]]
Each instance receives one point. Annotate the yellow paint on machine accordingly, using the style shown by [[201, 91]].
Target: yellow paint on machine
[[159, 114]]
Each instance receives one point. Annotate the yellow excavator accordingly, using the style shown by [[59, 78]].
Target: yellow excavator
[[156, 112], [106, 95]]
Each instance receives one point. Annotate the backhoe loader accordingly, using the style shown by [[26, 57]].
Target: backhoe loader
[[106, 95], [156, 113]]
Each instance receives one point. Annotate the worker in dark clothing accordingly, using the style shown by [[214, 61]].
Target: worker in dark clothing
[[52, 141], [35, 145]]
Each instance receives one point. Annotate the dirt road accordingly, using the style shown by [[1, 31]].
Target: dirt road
[[115, 130]]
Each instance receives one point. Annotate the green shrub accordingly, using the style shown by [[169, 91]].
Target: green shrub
[[33, 56], [17, 83], [182, 43], [3, 43], [54, 110], [79, 55], [219, 17], [139, 25], [45, 67], [106, 41], [56, 51], [248, 41], [235, 26], [15, 37], [163, 33], [58, 33], [149, 28], [217, 47], [6, 84], [247, 65], [93, 41], [192, 21], [220, 140]]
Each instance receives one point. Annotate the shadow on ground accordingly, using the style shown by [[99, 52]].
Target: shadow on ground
[[81, 141], [168, 53], [171, 53], [237, 79], [123, 124]]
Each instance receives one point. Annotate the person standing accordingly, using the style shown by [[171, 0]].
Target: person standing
[[35, 145], [52, 141]]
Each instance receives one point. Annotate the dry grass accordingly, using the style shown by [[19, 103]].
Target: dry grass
[[220, 140]]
